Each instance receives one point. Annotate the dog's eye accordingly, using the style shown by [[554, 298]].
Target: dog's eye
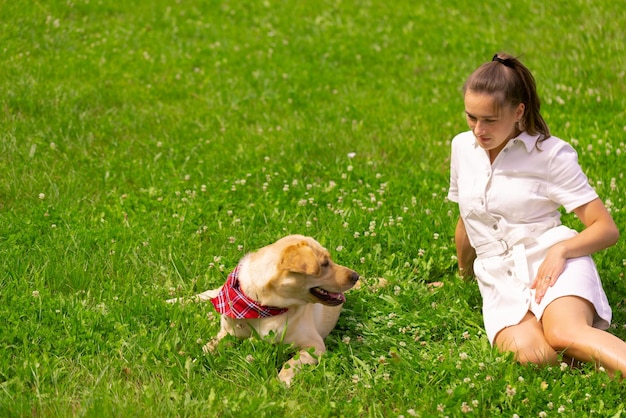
[[325, 263]]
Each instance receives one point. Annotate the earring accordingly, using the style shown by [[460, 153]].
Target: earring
[[521, 125]]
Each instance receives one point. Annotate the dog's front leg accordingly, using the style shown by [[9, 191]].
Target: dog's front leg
[[307, 355], [210, 346], [227, 326]]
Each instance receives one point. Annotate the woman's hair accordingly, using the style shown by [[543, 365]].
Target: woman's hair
[[507, 80]]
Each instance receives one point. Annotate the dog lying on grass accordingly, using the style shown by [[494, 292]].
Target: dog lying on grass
[[291, 288]]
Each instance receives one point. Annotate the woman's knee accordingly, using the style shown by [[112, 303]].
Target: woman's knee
[[562, 337], [528, 348], [532, 352], [566, 321]]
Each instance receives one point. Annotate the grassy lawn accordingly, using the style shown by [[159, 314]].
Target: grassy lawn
[[146, 146]]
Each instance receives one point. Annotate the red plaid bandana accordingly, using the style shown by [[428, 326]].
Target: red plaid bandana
[[232, 302]]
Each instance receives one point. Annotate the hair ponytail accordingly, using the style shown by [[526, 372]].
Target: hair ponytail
[[511, 83]]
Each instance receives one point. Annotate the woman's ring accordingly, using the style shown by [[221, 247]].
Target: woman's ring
[[546, 278]]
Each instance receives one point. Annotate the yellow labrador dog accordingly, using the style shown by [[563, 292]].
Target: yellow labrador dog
[[292, 288]]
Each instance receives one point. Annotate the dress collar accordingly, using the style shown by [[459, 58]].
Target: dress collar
[[528, 140]]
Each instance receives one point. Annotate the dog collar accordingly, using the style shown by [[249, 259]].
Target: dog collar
[[232, 302]]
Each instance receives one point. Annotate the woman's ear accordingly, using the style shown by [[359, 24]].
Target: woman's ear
[[519, 112]]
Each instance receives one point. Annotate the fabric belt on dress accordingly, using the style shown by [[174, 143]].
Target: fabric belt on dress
[[520, 236], [518, 252], [518, 242], [490, 249]]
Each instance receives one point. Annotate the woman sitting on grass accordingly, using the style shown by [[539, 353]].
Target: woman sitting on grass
[[541, 292]]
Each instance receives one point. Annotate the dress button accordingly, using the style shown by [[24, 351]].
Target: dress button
[[495, 226], [509, 272]]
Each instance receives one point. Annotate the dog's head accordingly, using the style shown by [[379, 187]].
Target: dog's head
[[301, 272]]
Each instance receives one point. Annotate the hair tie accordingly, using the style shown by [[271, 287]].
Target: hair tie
[[507, 62]]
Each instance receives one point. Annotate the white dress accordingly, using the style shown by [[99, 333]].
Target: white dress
[[511, 214]]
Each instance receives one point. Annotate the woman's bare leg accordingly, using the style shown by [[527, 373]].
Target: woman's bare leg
[[527, 341], [567, 325]]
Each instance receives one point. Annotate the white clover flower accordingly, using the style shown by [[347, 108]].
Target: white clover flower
[[465, 408], [42, 196], [510, 391]]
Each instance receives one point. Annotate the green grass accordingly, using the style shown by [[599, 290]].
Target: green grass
[[146, 146]]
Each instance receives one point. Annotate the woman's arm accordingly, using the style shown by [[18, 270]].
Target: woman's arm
[[600, 232], [464, 251]]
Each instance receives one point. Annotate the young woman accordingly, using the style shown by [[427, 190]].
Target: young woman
[[541, 292]]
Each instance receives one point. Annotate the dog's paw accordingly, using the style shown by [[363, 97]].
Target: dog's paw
[[210, 347], [286, 375]]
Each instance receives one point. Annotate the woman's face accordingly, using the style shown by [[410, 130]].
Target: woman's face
[[491, 126]]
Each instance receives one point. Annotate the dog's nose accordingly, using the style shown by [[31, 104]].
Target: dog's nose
[[354, 277]]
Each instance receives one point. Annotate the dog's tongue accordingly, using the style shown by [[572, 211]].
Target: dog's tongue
[[329, 297], [339, 296]]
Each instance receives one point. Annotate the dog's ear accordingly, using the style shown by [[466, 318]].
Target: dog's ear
[[300, 258]]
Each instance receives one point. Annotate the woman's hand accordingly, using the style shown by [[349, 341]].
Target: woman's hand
[[549, 271], [600, 232]]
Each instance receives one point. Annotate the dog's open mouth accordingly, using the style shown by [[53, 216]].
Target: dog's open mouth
[[328, 298]]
